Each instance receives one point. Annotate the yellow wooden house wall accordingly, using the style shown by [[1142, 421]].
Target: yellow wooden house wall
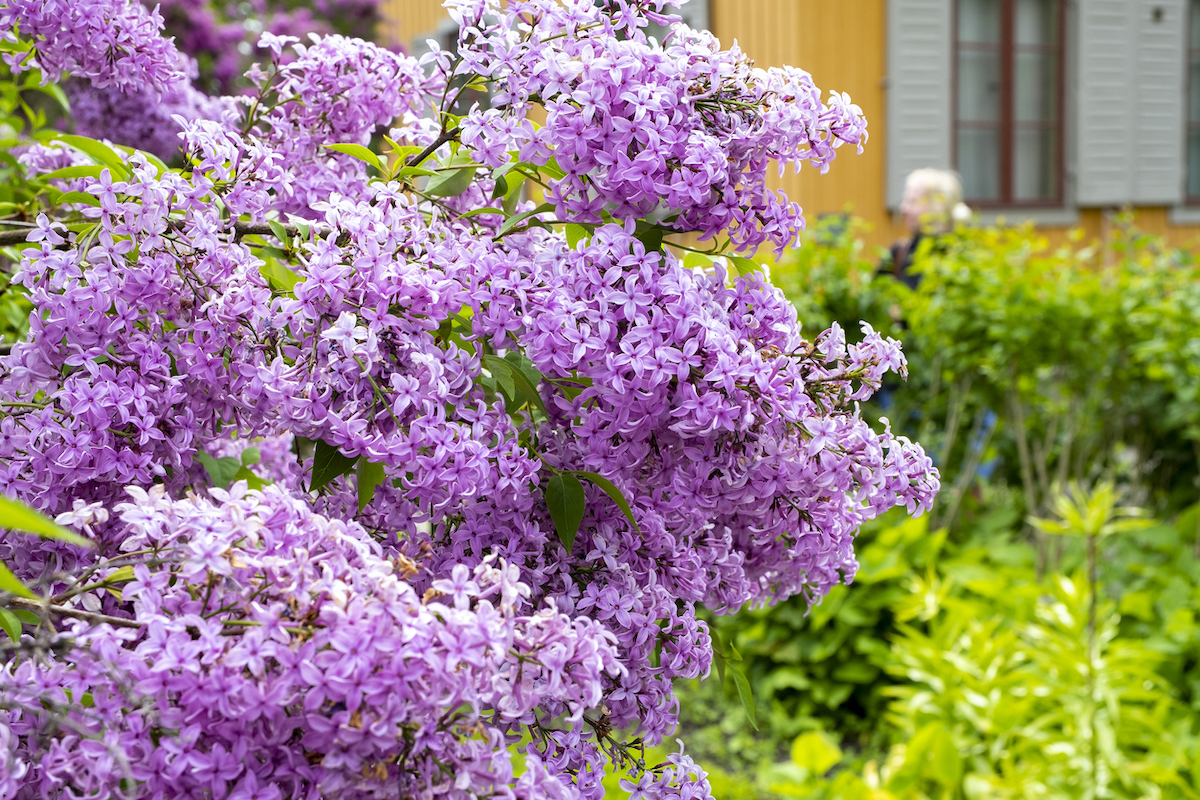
[[843, 44]]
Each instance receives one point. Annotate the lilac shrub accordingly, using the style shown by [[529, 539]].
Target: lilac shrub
[[394, 474]]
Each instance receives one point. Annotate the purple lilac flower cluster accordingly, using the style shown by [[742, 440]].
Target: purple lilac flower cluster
[[110, 42], [282, 654], [181, 323], [685, 132]]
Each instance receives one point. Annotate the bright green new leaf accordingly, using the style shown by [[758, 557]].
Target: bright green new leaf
[[77, 171], [816, 751], [12, 584], [576, 233], [328, 465], [10, 624], [566, 500], [98, 152], [514, 221], [364, 154], [17, 516], [278, 277]]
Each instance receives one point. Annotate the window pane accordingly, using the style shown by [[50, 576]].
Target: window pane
[[979, 21], [1035, 167], [1193, 174], [1035, 87], [978, 85], [979, 162], [1194, 91], [1195, 17], [1037, 22]]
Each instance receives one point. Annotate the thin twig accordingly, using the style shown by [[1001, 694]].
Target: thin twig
[[446, 136], [75, 613]]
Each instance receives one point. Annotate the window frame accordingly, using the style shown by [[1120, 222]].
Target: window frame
[[1007, 121]]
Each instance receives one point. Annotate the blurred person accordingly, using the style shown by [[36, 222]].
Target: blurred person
[[932, 205]]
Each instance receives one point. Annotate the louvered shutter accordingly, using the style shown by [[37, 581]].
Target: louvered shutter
[[919, 86], [1131, 102]]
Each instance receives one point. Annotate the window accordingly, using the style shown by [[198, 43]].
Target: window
[[1008, 134], [1193, 110]]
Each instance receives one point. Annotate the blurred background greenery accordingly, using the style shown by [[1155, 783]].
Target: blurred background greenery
[[1036, 635]]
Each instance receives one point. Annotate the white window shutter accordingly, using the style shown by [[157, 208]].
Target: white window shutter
[[1159, 140], [920, 37], [1131, 102]]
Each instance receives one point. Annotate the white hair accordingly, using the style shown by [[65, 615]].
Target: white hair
[[933, 200]]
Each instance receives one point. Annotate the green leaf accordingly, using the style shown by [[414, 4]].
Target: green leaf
[[453, 178], [280, 232], [745, 694], [328, 465], [78, 171], [576, 233], [17, 516], [816, 751], [56, 92], [369, 477], [514, 221], [514, 379], [742, 265], [10, 624], [26, 617], [364, 154], [64, 198], [566, 500], [12, 584], [501, 187], [251, 456], [221, 471], [613, 492], [650, 236], [719, 656], [513, 195], [98, 152], [278, 277], [475, 212], [158, 163]]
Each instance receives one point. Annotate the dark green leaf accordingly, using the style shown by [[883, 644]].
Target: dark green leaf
[[369, 477], [328, 465], [613, 492], [17, 516], [650, 236], [566, 501], [501, 187]]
